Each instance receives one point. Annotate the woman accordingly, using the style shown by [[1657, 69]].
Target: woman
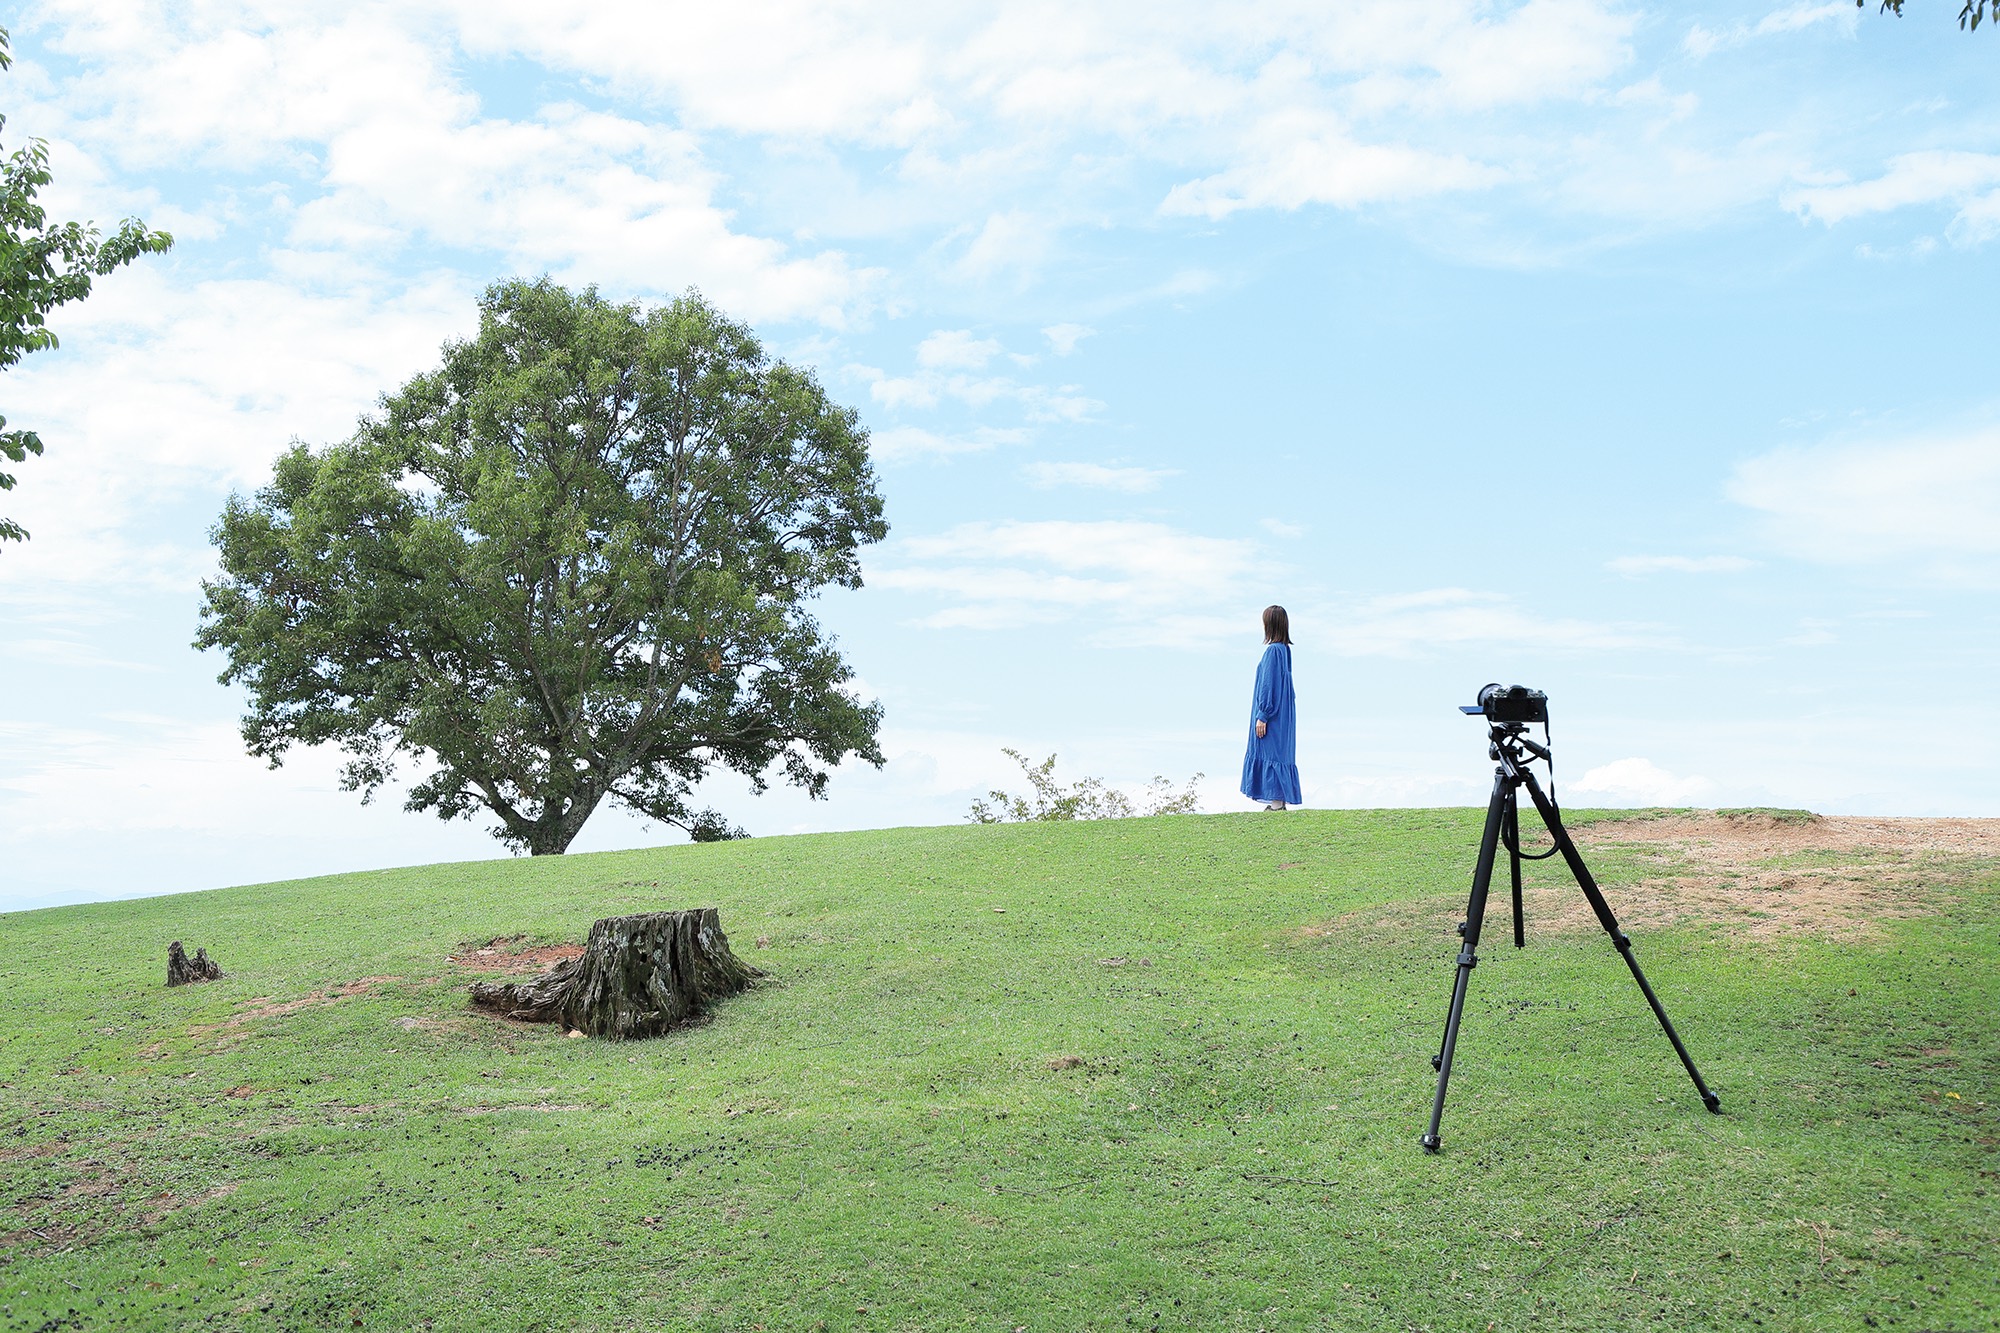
[[1270, 764]]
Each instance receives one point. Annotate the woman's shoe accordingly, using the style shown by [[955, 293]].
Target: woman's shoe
[[1274, 805]]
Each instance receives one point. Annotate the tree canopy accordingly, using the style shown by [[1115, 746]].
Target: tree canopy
[[572, 563], [1970, 14], [44, 265]]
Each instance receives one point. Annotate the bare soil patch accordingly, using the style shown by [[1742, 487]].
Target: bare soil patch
[[50, 1149], [542, 1108], [512, 954], [163, 1206], [1834, 877], [95, 1202], [264, 1006]]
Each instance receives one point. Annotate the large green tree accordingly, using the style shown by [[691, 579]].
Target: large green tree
[[573, 563], [44, 265]]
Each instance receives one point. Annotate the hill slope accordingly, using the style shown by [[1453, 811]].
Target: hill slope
[[1161, 1073]]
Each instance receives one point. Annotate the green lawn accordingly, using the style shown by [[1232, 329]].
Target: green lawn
[[877, 1140]]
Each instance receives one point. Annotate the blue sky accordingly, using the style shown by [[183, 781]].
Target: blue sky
[[1640, 353]]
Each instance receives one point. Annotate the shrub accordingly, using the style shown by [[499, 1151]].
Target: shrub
[[1090, 798]]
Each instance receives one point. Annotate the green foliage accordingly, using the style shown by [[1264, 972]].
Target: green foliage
[[953, 1117], [571, 564], [43, 266], [1969, 15], [1776, 814], [1090, 798]]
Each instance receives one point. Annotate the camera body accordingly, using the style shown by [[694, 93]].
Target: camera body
[[1510, 703]]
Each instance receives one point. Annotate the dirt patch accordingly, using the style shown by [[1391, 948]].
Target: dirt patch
[[230, 1029], [32, 1150], [1837, 877], [542, 1108], [163, 1206], [38, 1241], [1754, 836], [263, 1006], [97, 1201], [511, 954]]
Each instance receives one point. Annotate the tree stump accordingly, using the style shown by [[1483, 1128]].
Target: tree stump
[[182, 969], [638, 976]]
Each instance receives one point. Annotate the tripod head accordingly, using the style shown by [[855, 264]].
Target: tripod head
[[1508, 710], [1508, 743]]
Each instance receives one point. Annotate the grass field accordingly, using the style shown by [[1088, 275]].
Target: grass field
[[954, 1107]]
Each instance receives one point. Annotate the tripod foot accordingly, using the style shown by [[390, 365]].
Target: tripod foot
[[1430, 1142], [1437, 1062], [1712, 1102]]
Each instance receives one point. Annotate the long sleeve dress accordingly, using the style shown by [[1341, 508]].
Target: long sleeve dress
[[1270, 765]]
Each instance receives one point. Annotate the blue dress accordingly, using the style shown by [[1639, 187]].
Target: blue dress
[[1270, 765]]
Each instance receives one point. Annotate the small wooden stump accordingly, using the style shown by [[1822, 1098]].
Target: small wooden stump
[[638, 976], [181, 969]]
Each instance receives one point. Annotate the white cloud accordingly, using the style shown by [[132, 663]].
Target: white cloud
[[1063, 338], [1969, 180], [787, 70], [943, 360], [893, 71], [1275, 108], [1702, 42], [1813, 632], [1294, 159], [1371, 791], [1801, 16], [1062, 402], [997, 575], [213, 379], [1131, 480], [1017, 239], [1277, 527], [1423, 623], [1642, 782], [1635, 565], [900, 391], [901, 444], [407, 154], [69, 651], [1008, 125], [955, 349], [1167, 587], [1936, 501]]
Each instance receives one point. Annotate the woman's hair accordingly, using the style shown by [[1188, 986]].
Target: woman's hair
[[1277, 626]]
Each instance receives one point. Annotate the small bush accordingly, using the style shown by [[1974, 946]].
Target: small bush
[[1090, 798], [1775, 814]]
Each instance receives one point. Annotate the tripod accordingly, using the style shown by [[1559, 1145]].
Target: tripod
[[1514, 751]]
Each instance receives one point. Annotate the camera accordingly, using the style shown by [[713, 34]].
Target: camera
[[1510, 703]]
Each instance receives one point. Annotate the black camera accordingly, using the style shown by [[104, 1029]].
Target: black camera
[[1510, 703]]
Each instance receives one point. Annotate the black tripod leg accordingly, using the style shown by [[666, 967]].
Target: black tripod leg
[[1595, 896], [1514, 861], [1475, 916]]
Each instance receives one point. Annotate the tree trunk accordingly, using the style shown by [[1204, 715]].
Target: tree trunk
[[638, 977], [556, 828], [182, 969]]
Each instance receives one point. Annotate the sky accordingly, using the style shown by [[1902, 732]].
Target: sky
[[1639, 353]]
